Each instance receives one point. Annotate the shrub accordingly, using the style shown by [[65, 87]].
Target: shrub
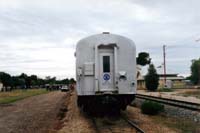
[[151, 79], [151, 108]]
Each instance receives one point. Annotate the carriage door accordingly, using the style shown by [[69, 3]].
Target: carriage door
[[106, 71]]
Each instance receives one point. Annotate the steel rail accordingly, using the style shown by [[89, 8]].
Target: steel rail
[[172, 102], [130, 122]]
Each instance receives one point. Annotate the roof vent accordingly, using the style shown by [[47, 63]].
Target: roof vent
[[106, 32]]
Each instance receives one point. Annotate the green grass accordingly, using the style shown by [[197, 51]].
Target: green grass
[[179, 124], [9, 97]]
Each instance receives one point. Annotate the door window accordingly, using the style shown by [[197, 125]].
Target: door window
[[106, 64]]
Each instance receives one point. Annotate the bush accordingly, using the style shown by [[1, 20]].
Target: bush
[[152, 79], [151, 108]]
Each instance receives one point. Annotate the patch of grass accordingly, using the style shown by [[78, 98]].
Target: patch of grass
[[9, 97], [191, 93], [151, 108], [165, 90], [179, 124]]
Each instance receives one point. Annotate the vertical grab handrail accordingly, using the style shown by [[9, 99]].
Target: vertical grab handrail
[[115, 66], [96, 68]]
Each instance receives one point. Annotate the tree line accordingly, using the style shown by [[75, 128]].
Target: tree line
[[195, 72], [24, 81]]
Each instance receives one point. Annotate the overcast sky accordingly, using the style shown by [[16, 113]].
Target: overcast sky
[[39, 36]]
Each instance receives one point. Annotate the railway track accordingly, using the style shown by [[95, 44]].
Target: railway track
[[118, 125], [172, 102], [138, 130]]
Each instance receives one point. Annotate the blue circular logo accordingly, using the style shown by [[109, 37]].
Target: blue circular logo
[[106, 76]]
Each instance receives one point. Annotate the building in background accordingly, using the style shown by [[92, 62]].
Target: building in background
[[172, 81]]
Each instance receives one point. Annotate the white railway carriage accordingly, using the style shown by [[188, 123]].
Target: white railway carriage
[[105, 70]]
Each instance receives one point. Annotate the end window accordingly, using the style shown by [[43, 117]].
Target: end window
[[106, 64]]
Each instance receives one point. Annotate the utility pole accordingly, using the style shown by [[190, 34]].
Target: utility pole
[[198, 40], [164, 56]]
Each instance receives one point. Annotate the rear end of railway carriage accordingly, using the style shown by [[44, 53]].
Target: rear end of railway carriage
[[105, 72]]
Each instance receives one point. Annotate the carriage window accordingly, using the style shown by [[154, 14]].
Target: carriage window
[[106, 64]]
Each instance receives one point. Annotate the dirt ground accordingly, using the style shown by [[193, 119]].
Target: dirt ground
[[145, 122], [76, 121], [58, 112], [35, 114]]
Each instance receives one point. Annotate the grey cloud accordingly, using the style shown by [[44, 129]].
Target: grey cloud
[[29, 27]]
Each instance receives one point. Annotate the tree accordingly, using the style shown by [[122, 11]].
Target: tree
[[27, 79], [33, 77], [72, 81], [6, 79], [40, 82], [18, 82], [65, 81], [50, 80], [152, 78], [143, 59], [34, 80], [195, 71]]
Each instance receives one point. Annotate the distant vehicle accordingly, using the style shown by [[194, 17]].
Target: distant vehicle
[[105, 72], [64, 88]]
